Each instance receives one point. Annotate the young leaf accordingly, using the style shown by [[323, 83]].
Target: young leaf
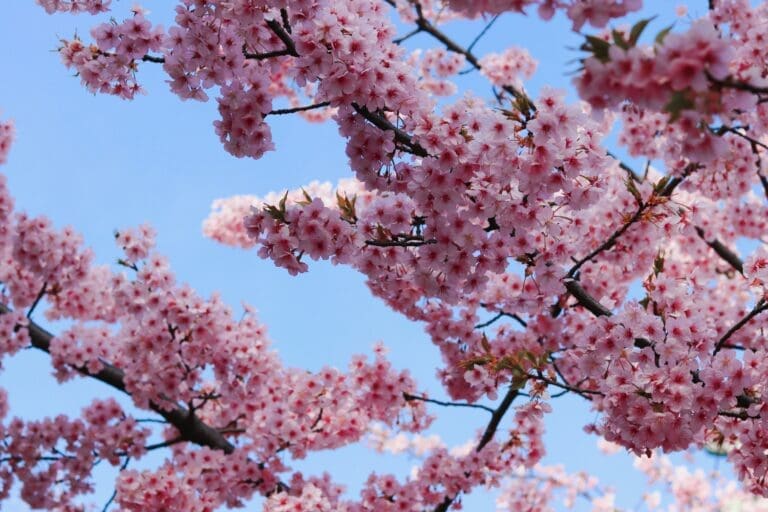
[[659, 40], [598, 47], [637, 30], [618, 38], [630, 184]]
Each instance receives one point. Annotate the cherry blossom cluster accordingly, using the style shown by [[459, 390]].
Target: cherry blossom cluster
[[537, 262], [40, 258], [595, 12], [75, 6], [671, 487], [435, 67], [162, 343], [6, 138], [508, 68], [674, 71], [109, 66], [53, 458]]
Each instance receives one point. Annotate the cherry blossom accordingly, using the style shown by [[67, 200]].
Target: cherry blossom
[[537, 262]]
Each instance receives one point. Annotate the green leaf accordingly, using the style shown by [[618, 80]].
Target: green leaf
[[519, 378], [679, 102], [637, 30], [661, 184], [663, 34], [485, 344], [307, 197], [630, 184], [277, 212], [658, 264], [598, 47], [347, 207], [618, 38]]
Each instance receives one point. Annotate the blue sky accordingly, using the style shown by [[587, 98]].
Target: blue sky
[[99, 163]]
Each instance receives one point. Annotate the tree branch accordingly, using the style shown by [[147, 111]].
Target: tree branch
[[724, 252], [664, 190], [426, 26], [409, 397], [190, 427], [283, 111], [152, 58], [761, 306], [379, 121], [416, 242], [585, 299], [487, 437]]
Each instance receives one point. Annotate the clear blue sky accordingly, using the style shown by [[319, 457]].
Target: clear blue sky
[[99, 163]]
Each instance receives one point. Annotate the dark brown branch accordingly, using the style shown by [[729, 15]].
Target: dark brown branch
[[500, 315], [407, 36], [586, 300], [283, 111], [724, 252], [284, 36], [114, 493], [487, 437], [285, 20], [741, 415], [763, 182], [609, 242], [400, 243], [152, 58], [482, 32], [729, 83], [729, 129], [665, 190], [626, 168], [380, 122], [190, 427], [491, 321], [268, 55], [584, 393], [37, 300], [426, 26], [498, 414], [164, 444], [759, 308], [409, 397]]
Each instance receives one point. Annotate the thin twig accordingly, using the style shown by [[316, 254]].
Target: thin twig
[[666, 191], [407, 36], [192, 428], [152, 58], [490, 431], [409, 397], [37, 300], [114, 494], [761, 306], [585, 299], [482, 33], [724, 252], [579, 391], [283, 111], [268, 55], [381, 122], [400, 243], [498, 316]]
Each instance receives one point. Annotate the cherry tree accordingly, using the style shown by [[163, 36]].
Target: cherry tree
[[623, 286]]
